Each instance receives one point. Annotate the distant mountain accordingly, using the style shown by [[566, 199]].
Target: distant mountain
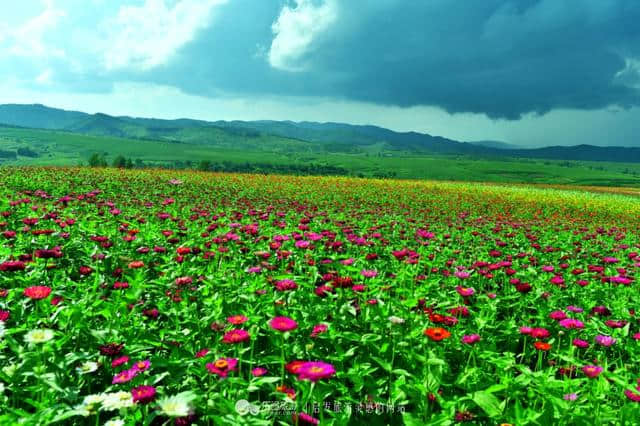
[[38, 116], [292, 136], [496, 144]]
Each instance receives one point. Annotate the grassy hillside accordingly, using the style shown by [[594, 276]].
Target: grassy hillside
[[254, 152]]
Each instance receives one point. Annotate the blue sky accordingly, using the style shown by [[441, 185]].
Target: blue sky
[[528, 72]]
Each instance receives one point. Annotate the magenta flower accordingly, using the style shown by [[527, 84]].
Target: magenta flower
[[579, 343], [283, 324], [318, 329], [284, 285], [557, 315], [539, 333], [570, 397], [222, 366], [236, 336], [571, 323], [315, 370], [633, 396], [470, 339], [592, 371], [143, 394], [142, 365]]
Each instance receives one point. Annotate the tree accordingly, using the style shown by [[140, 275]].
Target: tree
[[119, 162], [204, 165], [129, 164], [97, 160]]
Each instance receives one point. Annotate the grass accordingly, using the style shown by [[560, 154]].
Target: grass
[[66, 149]]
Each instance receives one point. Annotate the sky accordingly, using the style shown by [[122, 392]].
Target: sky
[[526, 72]]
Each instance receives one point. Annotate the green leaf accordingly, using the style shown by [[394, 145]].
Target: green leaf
[[488, 402]]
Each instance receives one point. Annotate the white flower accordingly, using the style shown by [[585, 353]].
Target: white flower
[[93, 399], [396, 320], [90, 404], [82, 410], [114, 422], [10, 369], [117, 400], [178, 405], [87, 367], [38, 336]]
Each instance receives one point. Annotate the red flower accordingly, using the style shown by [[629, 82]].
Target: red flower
[[437, 333], [12, 266], [37, 292], [542, 346]]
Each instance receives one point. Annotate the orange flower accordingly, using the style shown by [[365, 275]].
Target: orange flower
[[542, 346], [437, 333]]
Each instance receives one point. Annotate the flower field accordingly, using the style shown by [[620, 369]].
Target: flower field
[[160, 297]]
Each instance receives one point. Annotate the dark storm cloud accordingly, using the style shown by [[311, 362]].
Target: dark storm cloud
[[498, 57]]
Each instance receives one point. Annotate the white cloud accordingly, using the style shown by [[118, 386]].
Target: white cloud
[[29, 38], [296, 29], [44, 78], [146, 36]]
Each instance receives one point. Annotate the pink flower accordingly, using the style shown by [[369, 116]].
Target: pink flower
[[119, 361], [525, 330], [465, 291], [369, 273], [592, 371], [259, 371], [125, 376], [283, 324], [605, 340], [237, 319], [462, 274], [470, 339]]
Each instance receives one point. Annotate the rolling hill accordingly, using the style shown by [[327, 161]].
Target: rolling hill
[[293, 136]]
